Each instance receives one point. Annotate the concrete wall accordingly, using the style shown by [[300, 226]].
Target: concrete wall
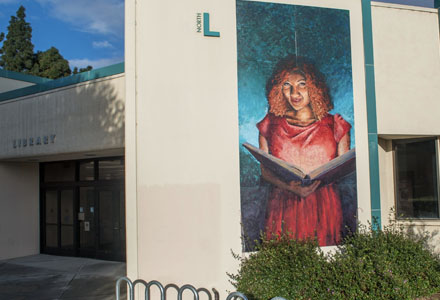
[[407, 69], [84, 117], [182, 164], [19, 210], [8, 84]]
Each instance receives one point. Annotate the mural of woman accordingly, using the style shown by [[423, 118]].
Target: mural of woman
[[298, 129]]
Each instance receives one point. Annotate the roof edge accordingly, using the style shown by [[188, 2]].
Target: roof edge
[[23, 77], [64, 81], [403, 6]]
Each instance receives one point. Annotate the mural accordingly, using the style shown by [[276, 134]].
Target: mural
[[295, 89]]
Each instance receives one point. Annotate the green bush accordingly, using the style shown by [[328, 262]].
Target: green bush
[[370, 264], [281, 267]]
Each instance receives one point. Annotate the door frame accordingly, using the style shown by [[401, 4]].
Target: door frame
[[75, 186]]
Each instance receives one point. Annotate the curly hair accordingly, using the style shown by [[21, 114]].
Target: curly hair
[[317, 89]]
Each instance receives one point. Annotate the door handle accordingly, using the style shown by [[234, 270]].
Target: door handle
[[116, 226], [87, 226]]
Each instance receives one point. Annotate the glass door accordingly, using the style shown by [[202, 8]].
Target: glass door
[[86, 221], [101, 221], [66, 221], [111, 219], [83, 208], [51, 220], [59, 225]]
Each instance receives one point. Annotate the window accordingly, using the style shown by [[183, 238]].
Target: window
[[87, 171], [416, 177], [111, 169], [59, 171]]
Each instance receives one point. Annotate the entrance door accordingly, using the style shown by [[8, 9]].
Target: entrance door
[[101, 221], [59, 229], [111, 219], [86, 221], [83, 208]]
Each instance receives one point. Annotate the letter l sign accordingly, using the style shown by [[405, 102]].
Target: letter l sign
[[206, 30]]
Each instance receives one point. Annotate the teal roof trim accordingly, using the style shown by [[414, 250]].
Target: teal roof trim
[[62, 82], [23, 77]]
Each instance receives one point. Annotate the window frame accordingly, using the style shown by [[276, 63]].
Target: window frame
[[395, 142]]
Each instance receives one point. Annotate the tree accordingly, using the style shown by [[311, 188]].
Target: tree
[[17, 52], [50, 64], [86, 69]]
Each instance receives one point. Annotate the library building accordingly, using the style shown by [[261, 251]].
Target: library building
[[230, 120]]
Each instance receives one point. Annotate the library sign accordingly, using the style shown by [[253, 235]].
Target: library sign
[[34, 141]]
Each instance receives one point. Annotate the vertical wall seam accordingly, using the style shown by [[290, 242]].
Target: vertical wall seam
[[367, 26], [130, 139], [136, 133]]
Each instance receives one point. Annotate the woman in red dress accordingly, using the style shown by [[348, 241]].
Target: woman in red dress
[[298, 129]]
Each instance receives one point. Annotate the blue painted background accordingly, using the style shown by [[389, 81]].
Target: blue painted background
[[266, 33]]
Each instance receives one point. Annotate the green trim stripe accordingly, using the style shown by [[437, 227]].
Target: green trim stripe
[[370, 85], [371, 113], [23, 77], [437, 5], [65, 81], [374, 179]]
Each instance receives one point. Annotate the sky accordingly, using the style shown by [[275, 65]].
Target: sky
[[424, 3], [87, 32]]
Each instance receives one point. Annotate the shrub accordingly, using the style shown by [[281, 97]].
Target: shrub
[[384, 264], [371, 264], [281, 267]]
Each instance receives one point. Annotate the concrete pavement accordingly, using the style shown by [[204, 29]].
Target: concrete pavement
[[47, 277]]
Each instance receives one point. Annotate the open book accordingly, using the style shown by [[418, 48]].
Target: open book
[[327, 173]]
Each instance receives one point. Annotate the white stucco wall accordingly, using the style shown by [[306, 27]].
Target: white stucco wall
[[407, 69], [19, 209], [84, 117], [182, 170], [8, 84]]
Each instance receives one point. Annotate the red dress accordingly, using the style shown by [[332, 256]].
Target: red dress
[[309, 147]]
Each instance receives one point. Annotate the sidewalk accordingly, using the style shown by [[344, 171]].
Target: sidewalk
[[46, 277]]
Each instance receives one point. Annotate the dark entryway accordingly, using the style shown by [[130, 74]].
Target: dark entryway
[[83, 208]]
